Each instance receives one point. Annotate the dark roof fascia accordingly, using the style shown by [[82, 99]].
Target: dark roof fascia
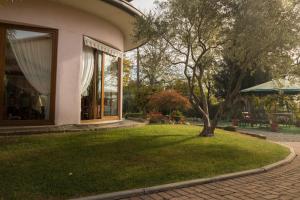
[[125, 6]]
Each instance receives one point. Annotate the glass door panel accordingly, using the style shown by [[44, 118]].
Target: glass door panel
[[102, 96], [91, 99], [111, 85], [87, 104], [87, 84], [27, 75]]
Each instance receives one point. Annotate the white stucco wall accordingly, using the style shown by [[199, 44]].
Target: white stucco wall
[[72, 24]]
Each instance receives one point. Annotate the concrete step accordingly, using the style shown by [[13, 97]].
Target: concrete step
[[31, 130]]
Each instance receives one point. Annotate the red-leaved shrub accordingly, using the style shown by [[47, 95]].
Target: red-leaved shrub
[[168, 101], [156, 118]]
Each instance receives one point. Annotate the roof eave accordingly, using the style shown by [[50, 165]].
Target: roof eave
[[131, 10], [125, 6]]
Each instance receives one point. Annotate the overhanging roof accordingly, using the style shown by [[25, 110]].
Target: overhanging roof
[[118, 12], [283, 86]]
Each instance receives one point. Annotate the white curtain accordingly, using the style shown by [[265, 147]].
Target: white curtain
[[34, 57], [88, 69]]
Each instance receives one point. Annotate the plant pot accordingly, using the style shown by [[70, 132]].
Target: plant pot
[[177, 119], [297, 123], [235, 122], [274, 127]]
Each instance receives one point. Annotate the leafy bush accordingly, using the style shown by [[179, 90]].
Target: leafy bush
[[297, 120], [156, 118], [177, 116], [168, 101], [136, 99], [135, 115]]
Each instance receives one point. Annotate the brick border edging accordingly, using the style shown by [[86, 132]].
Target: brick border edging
[[183, 184]]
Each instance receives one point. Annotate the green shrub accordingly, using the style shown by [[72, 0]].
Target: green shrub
[[135, 115], [157, 118], [297, 120], [177, 116]]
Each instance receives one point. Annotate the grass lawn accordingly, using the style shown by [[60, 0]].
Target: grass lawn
[[61, 166]]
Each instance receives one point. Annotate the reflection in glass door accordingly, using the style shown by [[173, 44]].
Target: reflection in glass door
[[100, 85], [111, 86]]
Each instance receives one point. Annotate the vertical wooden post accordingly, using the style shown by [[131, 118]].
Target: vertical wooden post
[[2, 69], [120, 85], [54, 34], [94, 87], [102, 86], [138, 68]]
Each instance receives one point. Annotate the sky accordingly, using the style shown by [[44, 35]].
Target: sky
[[143, 5]]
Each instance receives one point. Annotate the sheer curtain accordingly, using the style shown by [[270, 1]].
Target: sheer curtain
[[34, 58], [88, 69]]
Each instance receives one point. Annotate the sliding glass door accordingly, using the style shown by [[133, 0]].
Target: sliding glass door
[[91, 92], [27, 75], [101, 98], [111, 86]]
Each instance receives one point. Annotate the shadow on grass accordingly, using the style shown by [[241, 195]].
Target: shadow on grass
[[95, 171]]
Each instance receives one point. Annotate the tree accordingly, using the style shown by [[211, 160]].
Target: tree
[[8, 2], [194, 32], [127, 67], [202, 35], [155, 65], [262, 38]]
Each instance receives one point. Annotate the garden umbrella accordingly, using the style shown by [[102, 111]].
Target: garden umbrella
[[281, 86]]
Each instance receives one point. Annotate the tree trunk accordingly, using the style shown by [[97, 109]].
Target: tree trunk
[[138, 68], [208, 130]]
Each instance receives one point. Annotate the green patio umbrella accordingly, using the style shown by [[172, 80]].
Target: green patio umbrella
[[281, 86]]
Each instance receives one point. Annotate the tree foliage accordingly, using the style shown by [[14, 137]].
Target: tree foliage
[[6, 2], [206, 37], [127, 68]]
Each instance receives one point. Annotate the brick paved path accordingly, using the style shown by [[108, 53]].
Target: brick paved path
[[281, 137], [281, 183]]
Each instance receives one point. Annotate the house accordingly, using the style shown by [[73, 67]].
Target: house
[[61, 60]]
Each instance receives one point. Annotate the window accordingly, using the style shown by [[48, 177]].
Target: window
[[100, 84], [27, 74]]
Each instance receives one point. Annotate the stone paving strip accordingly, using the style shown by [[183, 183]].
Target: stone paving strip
[[251, 184], [280, 137], [54, 129], [282, 183]]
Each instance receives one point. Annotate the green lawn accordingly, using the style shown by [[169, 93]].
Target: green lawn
[[71, 165]]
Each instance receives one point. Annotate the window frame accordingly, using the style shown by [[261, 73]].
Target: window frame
[[3, 41], [94, 82]]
